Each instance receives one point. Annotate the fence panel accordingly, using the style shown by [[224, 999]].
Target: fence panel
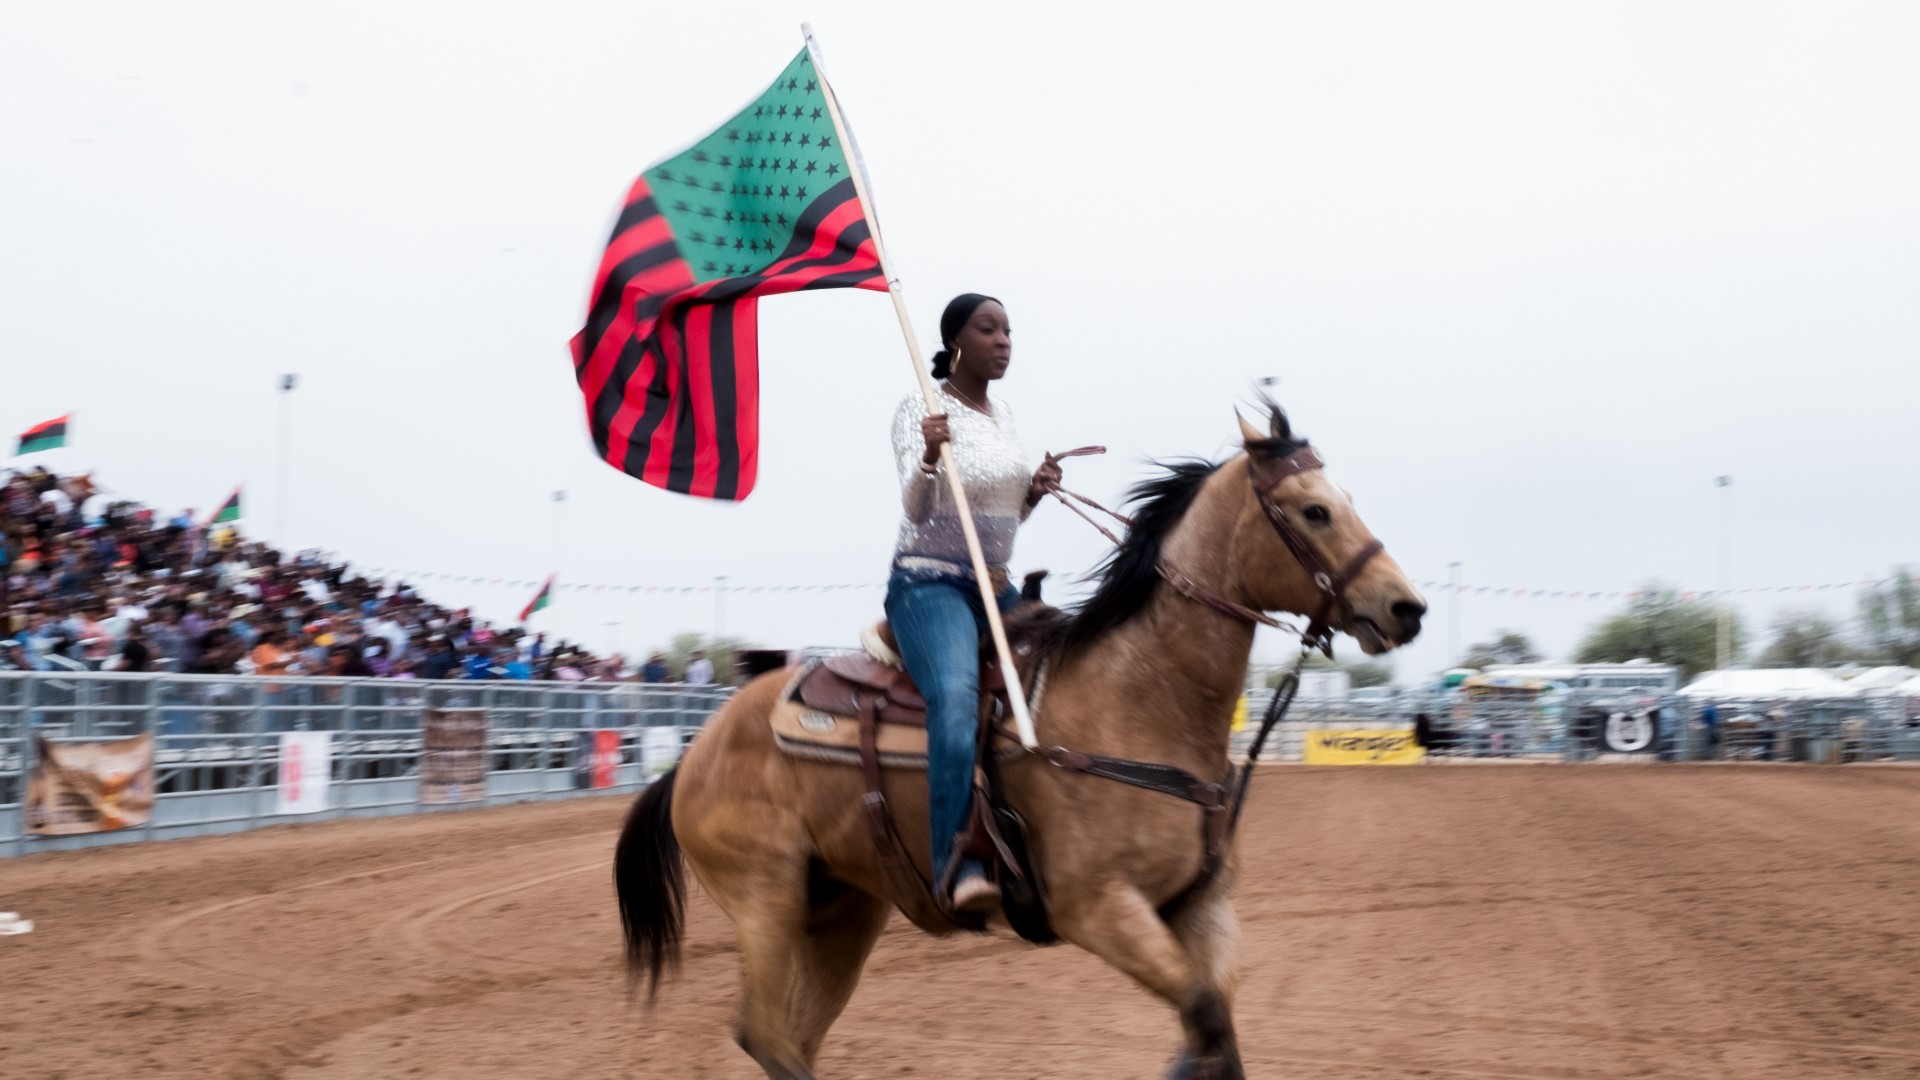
[[217, 741]]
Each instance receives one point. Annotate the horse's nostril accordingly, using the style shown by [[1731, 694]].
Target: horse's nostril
[[1407, 613]]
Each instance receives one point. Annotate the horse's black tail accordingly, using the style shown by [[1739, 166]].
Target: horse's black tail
[[651, 880]]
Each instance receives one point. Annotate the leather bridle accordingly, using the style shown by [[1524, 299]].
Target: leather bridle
[[1266, 478], [1331, 585]]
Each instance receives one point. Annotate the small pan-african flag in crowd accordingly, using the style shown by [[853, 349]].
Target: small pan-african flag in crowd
[[540, 600], [43, 436], [229, 510], [669, 359]]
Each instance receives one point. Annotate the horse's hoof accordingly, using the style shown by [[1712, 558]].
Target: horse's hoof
[[1188, 1067]]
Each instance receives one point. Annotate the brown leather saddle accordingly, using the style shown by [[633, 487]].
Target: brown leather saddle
[[861, 710], [851, 707]]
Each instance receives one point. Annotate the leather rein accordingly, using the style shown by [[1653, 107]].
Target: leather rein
[[1332, 586], [1221, 801]]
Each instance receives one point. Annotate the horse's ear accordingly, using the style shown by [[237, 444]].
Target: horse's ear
[[1277, 420], [1249, 434]]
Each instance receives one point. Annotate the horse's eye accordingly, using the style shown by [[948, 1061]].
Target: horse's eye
[[1318, 514]]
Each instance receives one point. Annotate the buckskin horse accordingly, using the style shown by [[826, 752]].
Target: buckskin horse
[[1147, 670]]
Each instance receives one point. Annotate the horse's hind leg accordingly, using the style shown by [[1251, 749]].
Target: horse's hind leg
[[846, 922], [1122, 928]]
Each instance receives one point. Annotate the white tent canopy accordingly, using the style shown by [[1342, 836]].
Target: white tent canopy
[[1881, 679], [1763, 683], [1910, 688]]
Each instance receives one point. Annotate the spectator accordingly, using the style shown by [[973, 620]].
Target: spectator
[[509, 665], [80, 571], [345, 662], [166, 639], [270, 656], [217, 652], [134, 654], [13, 656], [1710, 732], [441, 661], [655, 669], [699, 669]]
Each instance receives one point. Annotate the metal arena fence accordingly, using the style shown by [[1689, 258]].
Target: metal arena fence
[[1586, 726], [217, 741]]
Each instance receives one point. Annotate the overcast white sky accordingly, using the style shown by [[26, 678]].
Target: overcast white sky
[[1530, 274]]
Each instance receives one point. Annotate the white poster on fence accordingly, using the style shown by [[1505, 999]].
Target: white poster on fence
[[306, 765], [659, 749]]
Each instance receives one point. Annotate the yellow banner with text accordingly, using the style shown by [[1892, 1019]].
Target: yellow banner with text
[[1352, 746]]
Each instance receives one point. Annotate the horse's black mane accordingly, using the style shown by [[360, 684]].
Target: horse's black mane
[[1131, 572]]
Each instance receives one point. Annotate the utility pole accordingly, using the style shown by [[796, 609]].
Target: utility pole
[[280, 486], [1724, 653], [1453, 614]]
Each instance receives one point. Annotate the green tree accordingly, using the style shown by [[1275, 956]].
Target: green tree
[[1507, 647], [1890, 619], [1805, 639], [720, 651], [1660, 627], [1360, 673]]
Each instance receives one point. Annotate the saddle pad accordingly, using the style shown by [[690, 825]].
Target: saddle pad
[[804, 732]]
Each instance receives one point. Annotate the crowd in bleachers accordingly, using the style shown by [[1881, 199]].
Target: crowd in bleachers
[[97, 582]]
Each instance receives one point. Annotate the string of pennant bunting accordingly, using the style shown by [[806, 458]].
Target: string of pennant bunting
[[1441, 588], [1684, 595], [581, 587]]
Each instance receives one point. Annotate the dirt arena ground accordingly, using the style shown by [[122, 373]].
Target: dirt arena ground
[[1567, 923]]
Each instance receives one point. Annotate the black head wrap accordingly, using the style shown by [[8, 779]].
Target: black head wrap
[[959, 310]]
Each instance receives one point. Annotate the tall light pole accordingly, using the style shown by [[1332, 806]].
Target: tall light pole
[[280, 486], [559, 529], [719, 607], [1724, 653], [1453, 614]]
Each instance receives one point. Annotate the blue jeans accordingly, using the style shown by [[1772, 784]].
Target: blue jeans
[[938, 622]]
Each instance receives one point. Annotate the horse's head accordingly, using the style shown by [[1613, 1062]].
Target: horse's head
[[1300, 546]]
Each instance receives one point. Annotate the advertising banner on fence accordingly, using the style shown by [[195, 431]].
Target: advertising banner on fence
[[453, 756], [1386, 746], [659, 750], [596, 759], [90, 787], [306, 769]]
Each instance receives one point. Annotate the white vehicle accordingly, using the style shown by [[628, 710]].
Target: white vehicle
[[1635, 678]]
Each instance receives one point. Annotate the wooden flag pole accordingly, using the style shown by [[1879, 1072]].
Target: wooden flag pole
[[1016, 695]]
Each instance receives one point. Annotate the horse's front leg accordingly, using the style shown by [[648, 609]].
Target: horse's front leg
[[1121, 927], [1210, 933]]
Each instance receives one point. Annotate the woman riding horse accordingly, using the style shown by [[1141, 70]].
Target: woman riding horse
[[933, 602]]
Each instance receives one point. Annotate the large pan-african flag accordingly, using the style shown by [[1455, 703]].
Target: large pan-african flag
[[669, 359]]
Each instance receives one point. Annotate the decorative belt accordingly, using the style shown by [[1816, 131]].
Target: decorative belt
[[927, 564]]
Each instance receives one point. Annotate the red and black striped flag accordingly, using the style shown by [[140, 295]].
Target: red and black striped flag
[[669, 359]]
